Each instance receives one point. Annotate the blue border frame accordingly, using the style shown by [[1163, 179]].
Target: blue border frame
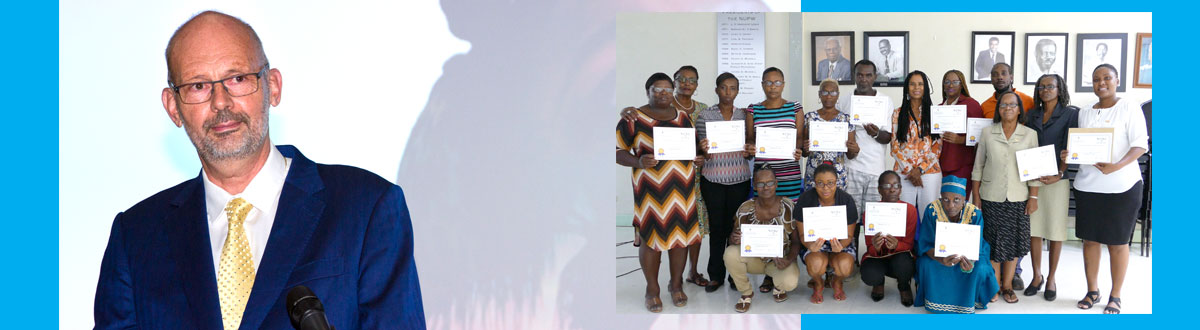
[[30, 170]]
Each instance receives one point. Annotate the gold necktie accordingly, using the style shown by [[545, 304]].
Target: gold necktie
[[235, 278]]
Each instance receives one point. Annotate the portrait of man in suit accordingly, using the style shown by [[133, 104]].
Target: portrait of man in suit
[[988, 58], [835, 65], [223, 249]]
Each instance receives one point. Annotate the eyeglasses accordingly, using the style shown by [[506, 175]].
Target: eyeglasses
[[890, 186], [828, 93], [201, 91], [1009, 105], [825, 184], [765, 184], [956, 200], [1047, 87], [657, 90], [687, 80], [952, 82], [773, 83]]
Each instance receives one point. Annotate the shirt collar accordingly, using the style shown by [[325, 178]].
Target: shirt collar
[[262, 192]]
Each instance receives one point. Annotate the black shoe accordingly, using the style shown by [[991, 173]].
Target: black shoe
[[732, 285], [712, 286], [1033, 289], [877, 293], [1017, 283]]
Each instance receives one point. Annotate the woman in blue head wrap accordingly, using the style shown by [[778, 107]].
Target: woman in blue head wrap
[[952, 284]]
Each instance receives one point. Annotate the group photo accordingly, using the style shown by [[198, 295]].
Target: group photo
[[883, 163]]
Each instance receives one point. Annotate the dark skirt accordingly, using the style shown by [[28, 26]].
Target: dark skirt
[[1006, 228], [1107, 218]]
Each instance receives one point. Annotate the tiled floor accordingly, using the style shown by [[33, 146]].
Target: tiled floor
[[1136, 294]]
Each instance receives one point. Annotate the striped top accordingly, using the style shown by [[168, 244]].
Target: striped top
[[727, 167], [787, 171]]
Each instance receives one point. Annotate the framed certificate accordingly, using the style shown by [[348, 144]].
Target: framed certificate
[[775, 142], [827, 222], [725, 136], [886, 218], [762, 241], [974, 128], [1037, 162], [956, 238], [827, 136], [1088, 146], [674, 143], [948, 118], [869, 110]]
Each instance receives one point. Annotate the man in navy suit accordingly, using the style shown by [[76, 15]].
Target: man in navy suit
[[223, 249], [987, 59], [834, 62]]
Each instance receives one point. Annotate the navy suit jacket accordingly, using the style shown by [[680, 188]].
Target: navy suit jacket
[[841, 72], [341, 231]]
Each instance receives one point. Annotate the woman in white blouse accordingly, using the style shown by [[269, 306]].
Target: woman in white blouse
[[1108, 195]]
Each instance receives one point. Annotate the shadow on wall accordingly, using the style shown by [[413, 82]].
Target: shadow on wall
[[511, 221]]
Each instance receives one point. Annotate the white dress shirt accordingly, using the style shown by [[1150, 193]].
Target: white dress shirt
[[262, 192], [1129, 131], [871, 154]]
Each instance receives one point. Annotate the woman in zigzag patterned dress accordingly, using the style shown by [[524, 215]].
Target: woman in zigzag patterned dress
[[664, 194]]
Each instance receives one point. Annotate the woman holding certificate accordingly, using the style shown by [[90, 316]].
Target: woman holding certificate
[[821, 125], [958, 154], [889, 253], [767, 211], [949, 281], [916, 149], [995, 181], [776, 118], [1052, 116], [826, 237], [1108, 194], [664, 197], [725, 179], [777, 115]]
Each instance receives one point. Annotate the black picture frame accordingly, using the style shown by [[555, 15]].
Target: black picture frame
[[982, 61], [1036, 50], [873, 42], [1086, 61], [845, 40]]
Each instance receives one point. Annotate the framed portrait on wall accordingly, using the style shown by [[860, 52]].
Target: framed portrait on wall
[[1093, 49], [987, 49], [1045, 53], [1141, 76], [833, 57], [889, 52]]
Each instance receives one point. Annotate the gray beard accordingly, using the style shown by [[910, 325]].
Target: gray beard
[[251, 142]]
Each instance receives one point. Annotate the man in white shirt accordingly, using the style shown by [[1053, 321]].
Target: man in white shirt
[[862, 172], [893, 63]]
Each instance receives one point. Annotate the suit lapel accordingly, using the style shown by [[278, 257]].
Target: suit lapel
[[299, 210], [188, 229]]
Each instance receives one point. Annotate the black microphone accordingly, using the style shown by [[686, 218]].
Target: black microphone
[[306, 310]]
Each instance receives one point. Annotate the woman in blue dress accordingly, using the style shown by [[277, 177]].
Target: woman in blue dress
[[953, 284]]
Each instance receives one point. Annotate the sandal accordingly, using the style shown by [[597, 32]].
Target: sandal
[[1033, 289], [743, 304], [1089, 300], [653, 304], [780, 295], [767, 285], [678, 298], [698, 279], [1110, 309], [1009, 296]]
